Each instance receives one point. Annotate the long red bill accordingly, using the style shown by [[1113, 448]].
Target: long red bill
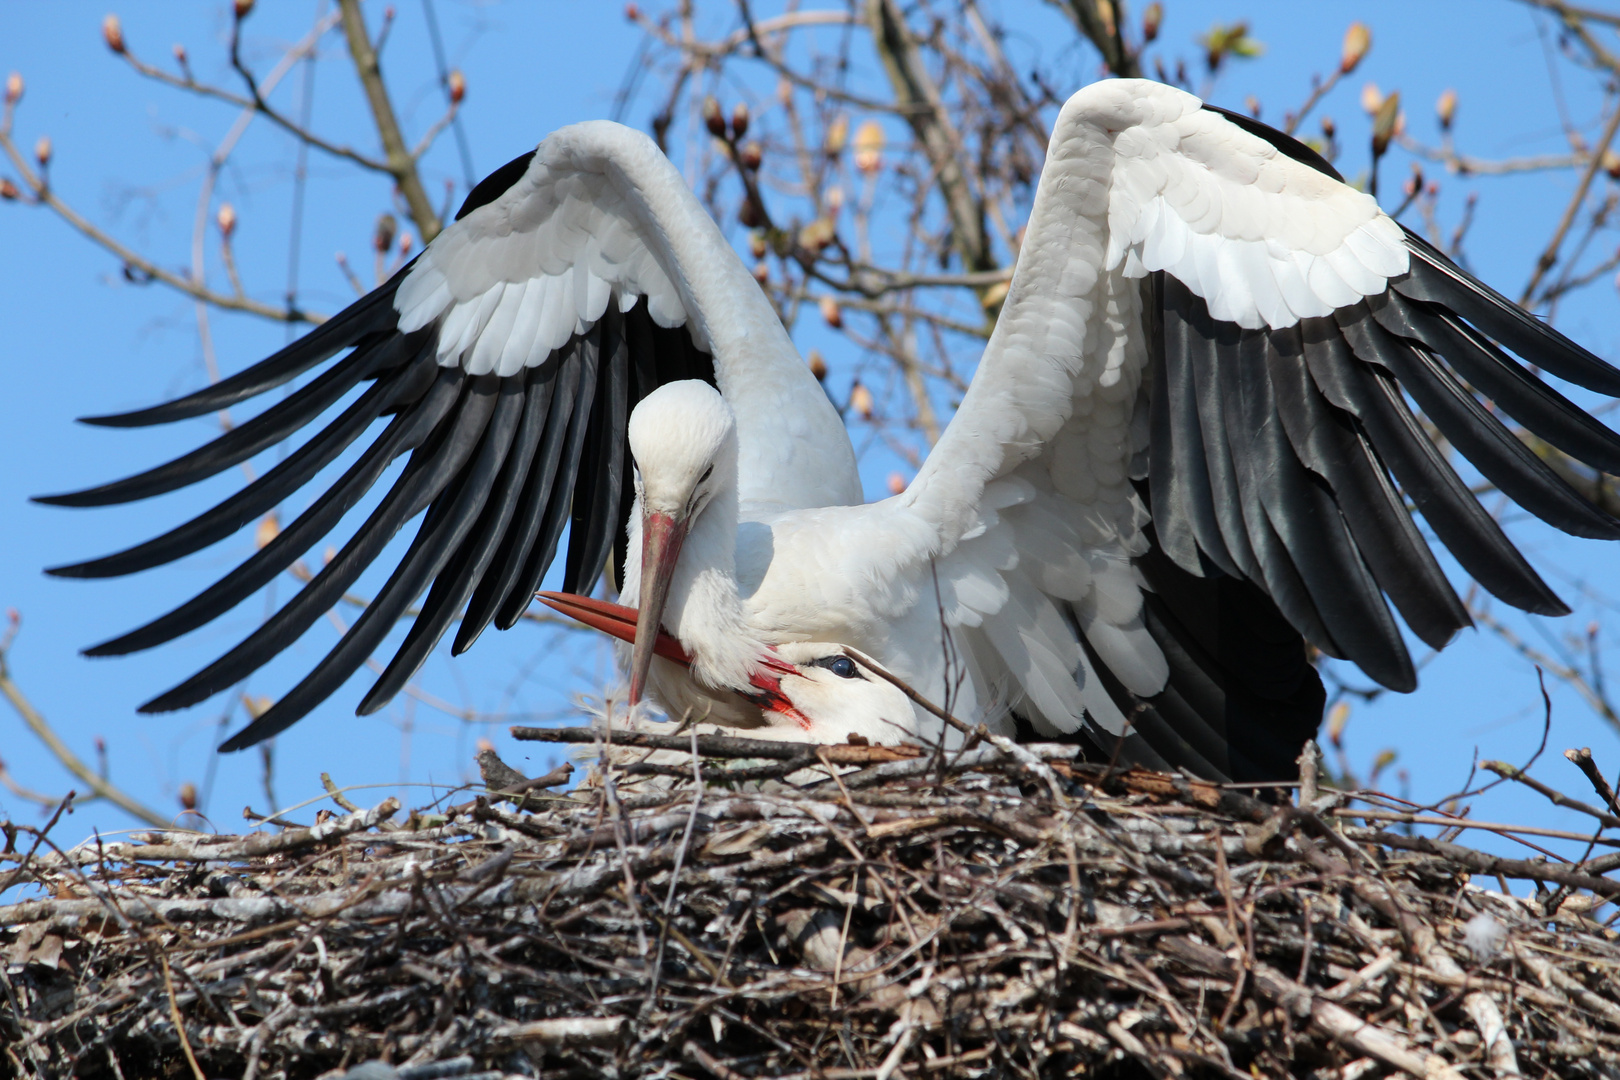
[[661, 538], [614, 619]]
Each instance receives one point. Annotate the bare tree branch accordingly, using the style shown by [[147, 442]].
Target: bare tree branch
[[401, 164]]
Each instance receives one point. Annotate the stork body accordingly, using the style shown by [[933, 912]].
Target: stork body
[[1184, 452]]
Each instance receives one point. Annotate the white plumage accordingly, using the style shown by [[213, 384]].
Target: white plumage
[[1200, 336]]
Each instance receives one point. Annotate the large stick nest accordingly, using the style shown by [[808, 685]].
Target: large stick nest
[[999, 911]]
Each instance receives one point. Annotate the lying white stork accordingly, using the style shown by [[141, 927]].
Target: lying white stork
[[1186, 445], [798, 691]]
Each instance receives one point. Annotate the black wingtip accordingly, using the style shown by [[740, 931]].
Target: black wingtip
[[242, 740], [105, 649], [82, 571], [76, 499], [135, 418]]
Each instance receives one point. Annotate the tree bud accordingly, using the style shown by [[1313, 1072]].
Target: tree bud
[[458, 86], [818, 235], [1371, 99], [712, 119], [14, 88], [756, 244], [225, 218], [1338, 717], [112, 31], [750, 155], [834, 316], [269, 528], [1446, 108], [762, 273], [382, 239], [837, 135], [632, 12], [188, 790], [869, 147], [818, 366], [1152, 19], [1386, 123], [1357, 40], [897, 484], [748, 214], [739, 120], [860, 399], [8, 190], [243, 8], [42, 151], [405, 245], [180, 56]]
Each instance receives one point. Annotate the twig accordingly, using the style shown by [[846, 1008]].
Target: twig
[[1558, 798], [1550, 256], [401, 165], [101, 787], [1582, 759]]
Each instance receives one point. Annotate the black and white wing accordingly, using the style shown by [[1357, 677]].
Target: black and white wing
[[1194, 435], [504, 361]]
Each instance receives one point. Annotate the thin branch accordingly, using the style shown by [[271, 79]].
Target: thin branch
[[71, 761], [1464, 165], [137, 264], [401, 164], [256, 101]]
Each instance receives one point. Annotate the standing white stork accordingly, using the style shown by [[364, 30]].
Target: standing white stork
[[1185, 448]]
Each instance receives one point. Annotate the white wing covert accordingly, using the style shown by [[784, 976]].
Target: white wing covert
[[505, 360]]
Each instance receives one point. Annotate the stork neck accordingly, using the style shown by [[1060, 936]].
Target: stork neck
[[705, 611]]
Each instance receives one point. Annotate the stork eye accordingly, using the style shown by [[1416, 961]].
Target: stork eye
[[706, 474], [841, 666]]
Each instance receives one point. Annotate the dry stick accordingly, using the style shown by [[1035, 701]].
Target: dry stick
[[675, 874], [39, 838], [1550, 256], [1482, 863], [1467, 823], [1333, 1020], [71, 761], [1582, 759], [723, 746], [1558, 798], [179, 1021], [401, 165]]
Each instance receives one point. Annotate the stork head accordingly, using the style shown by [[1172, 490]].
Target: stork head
[[807, 691], [824, 693], [684, 442]]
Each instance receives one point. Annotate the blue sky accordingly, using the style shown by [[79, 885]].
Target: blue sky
[[129, 154]]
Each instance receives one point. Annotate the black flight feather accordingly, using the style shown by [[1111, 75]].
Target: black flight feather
[[371, 314], [430, 469], [253, 501], [518, 528], [405, 432], [561, 495], [491, 476]]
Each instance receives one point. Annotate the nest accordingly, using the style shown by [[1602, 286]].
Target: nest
[[810, 912]]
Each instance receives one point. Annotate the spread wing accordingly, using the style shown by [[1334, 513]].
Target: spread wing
[[1195, 431], [504, 361]]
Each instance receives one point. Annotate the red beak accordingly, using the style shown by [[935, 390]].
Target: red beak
[[661, 538], [614, 619]]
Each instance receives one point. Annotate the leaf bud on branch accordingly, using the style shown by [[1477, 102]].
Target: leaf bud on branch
[[112, 31]]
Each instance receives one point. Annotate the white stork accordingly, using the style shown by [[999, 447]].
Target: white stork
[[798, 691], [1187, 447]]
